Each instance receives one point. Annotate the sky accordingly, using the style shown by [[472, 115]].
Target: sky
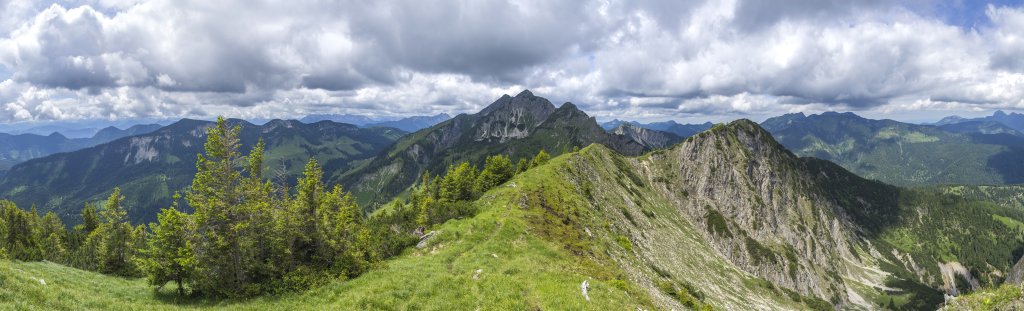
[[690, 61]]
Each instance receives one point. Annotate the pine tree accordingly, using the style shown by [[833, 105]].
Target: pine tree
[[90, 221], [234, 212], [19, 241], [497, 170], [169, 256], [115, 238], [216, 195], [522, 166], [54, 238], [457, 184], [541, 158]]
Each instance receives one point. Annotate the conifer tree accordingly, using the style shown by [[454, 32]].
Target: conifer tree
[[216, 196], [19, 241], [522, 166], [497, 170], [114, 237], [90, 221], [53, 238], [234, 212], [541, 158], [305, 213], [342, 223], [169, 256], [457, 184]]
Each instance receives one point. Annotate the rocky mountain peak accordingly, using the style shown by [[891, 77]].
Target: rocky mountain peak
[[649, 138], [512, 117]]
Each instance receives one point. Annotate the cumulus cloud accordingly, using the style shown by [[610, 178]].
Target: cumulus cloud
[[645, 59]]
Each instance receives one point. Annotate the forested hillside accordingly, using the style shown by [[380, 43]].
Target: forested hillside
[[902, 153], [150, 168]]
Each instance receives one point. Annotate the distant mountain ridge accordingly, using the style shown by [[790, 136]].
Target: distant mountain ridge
[[18, 148], [902, 153], [681, 130], [1011, 120], [408, 124], [151, 167], [84, 128], [654, 139], [412, 124]]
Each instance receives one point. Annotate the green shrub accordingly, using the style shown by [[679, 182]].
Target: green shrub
[[717, 224], [759, 253]]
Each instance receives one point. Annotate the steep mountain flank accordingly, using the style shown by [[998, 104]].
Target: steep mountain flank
[[735, 218], [901, 153], [681, 130], [15, 149], [151, 167], [653, 139], [517, 126]]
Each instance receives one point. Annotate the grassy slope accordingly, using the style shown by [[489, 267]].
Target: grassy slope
[[1006, 297], [519, 270]]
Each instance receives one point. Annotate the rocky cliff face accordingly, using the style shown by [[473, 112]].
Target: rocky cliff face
[[1016, 275], [512, 117], [775, 224], [729, 210], [649, 138]]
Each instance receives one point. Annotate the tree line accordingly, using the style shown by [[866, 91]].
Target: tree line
[[247, 236]]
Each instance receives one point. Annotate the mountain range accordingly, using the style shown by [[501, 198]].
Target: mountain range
[[681, 130], [1013, 121], [18, 148], [518, 127], [408, 124], [151, 167], [902, 153]]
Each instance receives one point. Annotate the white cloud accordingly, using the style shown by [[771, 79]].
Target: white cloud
[[646, 59]]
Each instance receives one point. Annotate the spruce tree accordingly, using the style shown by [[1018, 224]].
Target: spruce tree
[[53, 238], [497, 170], [19, 241], [90, 221], [342, 223], [522, 166], [234, 212], [541, 158], [112, 241], [169, 256], [216, 195], [457, 184]]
